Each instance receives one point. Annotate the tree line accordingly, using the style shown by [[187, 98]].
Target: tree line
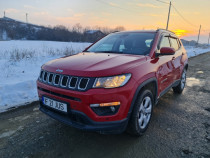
[[16, 30]]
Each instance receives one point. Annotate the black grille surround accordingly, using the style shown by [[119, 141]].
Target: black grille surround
[[75, 83]]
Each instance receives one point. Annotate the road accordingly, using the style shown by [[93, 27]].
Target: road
[[180, 127]]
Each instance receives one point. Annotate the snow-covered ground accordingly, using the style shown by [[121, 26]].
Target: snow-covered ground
[[194, 51], [20, 63]]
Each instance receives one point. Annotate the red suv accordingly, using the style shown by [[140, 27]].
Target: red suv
[[114, 84]]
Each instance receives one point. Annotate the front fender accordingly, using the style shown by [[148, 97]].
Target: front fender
[[139, 88]]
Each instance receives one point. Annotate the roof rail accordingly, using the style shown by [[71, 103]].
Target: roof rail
[[165, 30]]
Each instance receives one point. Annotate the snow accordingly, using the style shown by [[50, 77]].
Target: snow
[[4, 35], [20, 63], [194, 51]]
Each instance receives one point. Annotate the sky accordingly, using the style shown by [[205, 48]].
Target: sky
[[185, 18]]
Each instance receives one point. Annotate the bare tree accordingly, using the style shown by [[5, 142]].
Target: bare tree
[[77, 28], [119, 28]]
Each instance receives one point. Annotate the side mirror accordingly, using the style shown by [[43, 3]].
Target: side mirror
[[167, 51]]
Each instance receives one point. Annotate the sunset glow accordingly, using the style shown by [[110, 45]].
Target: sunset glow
[[132, 14], [181, 33]]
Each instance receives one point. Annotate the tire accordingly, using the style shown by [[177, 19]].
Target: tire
[[180, 87], [141, 114]]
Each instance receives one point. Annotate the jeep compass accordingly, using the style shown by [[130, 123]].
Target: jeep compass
[[114, 84]]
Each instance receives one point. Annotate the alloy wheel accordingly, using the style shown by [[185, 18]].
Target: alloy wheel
[[145, 110]]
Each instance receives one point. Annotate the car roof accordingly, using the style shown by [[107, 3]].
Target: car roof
[[148, 31], [138, 31]]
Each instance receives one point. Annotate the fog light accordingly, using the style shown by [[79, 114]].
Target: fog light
[[112, 108], [105, 104], [105, 109]]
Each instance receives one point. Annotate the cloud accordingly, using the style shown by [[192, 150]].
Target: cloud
[[69, 10], [191, 13], [113, 4], [155, 15], [79, 15], [12, 10], [29, 7], [74, 18], [106, 14], [147, 5], [41, 13]]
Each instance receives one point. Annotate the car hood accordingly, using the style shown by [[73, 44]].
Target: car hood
[[94, 64]]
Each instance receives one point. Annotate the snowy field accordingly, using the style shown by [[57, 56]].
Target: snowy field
[[194, 51], [20, 63]]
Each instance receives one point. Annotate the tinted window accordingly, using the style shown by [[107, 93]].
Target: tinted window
[[165, 42], [125, 43], [178, 41], [174, 43]]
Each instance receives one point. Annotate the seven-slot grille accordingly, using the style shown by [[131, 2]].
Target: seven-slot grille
[[64, 81]]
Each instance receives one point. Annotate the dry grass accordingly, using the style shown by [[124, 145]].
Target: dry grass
[[17, 55]]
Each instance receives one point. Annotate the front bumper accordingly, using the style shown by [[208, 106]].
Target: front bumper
[[81, 121], [80, 101], [81, 116]]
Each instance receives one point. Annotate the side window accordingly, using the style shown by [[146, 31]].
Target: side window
[[148, 42], [179, 43], [165, 42], [174, 43]]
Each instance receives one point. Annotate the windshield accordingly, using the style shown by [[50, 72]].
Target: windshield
[[125, 43]]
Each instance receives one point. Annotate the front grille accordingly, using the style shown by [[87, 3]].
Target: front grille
[[83, 83], [73, 82], [45, 77], [65, 81], [50, 78], [56, 79]]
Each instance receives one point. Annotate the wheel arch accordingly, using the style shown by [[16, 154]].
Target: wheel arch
[[151, 84]]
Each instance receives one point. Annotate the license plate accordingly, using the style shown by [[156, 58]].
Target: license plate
[[54, 104]]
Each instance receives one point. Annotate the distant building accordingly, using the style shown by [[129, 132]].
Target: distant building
[[93, 35], [94, 32]]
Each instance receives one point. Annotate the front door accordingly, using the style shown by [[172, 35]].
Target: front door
[[176, 61], [166, 68]]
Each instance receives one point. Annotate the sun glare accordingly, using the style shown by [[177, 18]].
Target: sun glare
[[181, 33]]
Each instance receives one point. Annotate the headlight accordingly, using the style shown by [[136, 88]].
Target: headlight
[[112, 82]]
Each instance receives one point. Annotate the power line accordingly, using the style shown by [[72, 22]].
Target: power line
[[115, 6], [176, 10], [163, 2], [183, 17]]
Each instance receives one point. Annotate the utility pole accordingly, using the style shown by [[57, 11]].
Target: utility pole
[[209, 38], [26, 17], [199, 34], [168, 15]]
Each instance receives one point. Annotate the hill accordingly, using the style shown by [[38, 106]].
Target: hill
[[11, 29], [17, 30]]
